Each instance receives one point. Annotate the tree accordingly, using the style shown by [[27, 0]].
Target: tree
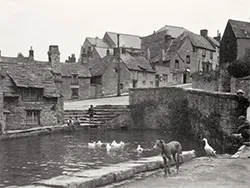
[[239, 68]]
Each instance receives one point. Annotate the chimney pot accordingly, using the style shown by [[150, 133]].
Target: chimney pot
[[31, 53], [204, 32]]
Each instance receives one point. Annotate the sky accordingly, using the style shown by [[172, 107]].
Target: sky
[[40, 23]]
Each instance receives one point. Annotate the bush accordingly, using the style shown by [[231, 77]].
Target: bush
[[239, 68]]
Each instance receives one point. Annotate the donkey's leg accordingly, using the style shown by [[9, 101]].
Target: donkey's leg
[[165, 165], [177, 162], [169, 163]]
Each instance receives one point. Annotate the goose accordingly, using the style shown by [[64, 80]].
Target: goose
[[108, 147], [92, 145], [139, 149], [209, 150], [116, 145], [99, 143]]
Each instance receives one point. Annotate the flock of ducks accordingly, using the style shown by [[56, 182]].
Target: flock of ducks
[[114, 145]]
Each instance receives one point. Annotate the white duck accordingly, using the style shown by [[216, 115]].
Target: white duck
[[209, 150], [139, 149], [92, 145], [122, 144], [108, 147], [116, 145], [99, 143]]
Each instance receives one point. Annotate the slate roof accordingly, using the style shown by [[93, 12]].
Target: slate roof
[[137, 63], [199, 41], [67, 69], [174, 31], [241, 29], [35, 75], [126, 40], [97, 42]]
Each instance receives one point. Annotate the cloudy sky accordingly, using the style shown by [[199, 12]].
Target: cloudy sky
[[39, 23]]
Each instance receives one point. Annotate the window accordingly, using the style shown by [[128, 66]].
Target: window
[[32, 94], [144, 82], [194, 49], [211, 55], [74, 92], [166, 63], [177, 64], [33, 117], [165, 77], [188, 60], [74, 80], [203, 53], [123, 50], [151, 83], [121, 85], [174, 77], [134, 83]]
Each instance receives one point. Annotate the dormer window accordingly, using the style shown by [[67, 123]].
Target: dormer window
[[74, 80], [177, 64], [188, 60], [31, 94]]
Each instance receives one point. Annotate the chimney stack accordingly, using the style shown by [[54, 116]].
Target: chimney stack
[[107, 51], [54, 54], [31, 53], [218, 37], [204, 32]]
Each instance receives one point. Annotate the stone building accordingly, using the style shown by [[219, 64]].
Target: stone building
[[75, 76], [29, 94], [176, 53], [135, 71], [94, 49], [235, 44]]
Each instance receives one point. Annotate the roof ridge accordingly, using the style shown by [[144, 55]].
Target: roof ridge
[[174, 26], [123, 34], [238, 21]]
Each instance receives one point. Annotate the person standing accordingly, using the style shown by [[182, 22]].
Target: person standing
[[244, 128], [243, 104], [91, 114]]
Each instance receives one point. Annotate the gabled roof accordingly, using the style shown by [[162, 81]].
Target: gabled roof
[[138, 63], [97, 42], [68, 69], [174, 31], [199, 41], [102, 51], [241, 29], [214, 41], [97, 68], [126, 40]]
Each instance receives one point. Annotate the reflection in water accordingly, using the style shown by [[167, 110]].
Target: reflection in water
[[25, 160]]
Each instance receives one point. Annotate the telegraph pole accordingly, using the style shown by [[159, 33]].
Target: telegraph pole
[[118, 66]]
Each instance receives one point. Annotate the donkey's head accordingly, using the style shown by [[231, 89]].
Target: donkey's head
[[158, 144]]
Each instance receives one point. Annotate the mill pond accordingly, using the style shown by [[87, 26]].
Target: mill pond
[[26, 160]]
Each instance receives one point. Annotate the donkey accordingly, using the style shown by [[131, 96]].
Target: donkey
[[173, 148]]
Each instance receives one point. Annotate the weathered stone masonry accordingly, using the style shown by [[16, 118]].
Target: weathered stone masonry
[[198, 112]]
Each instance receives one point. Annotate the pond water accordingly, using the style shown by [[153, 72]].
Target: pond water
[[25, 160]]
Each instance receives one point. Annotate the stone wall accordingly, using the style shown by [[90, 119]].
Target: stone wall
[[185, 111], [83, 91], [205, 80]]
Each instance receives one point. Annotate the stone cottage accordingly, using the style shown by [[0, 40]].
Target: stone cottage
[[75, 76], [29, 94], [235, 44], [135, 71]]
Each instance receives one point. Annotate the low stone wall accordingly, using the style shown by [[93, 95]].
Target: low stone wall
[[186, 111]]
